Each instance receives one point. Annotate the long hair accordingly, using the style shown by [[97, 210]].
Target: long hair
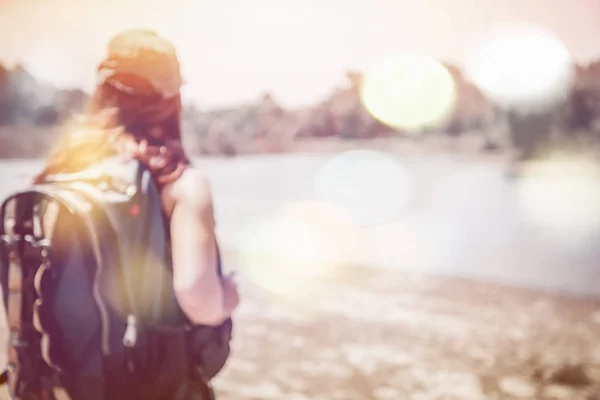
[[114, 122], [136, 105]]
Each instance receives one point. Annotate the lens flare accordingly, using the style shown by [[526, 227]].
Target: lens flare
[[409, 92], [521, 66], [147, 282], [304, 247], [370, 186], [562, 194]]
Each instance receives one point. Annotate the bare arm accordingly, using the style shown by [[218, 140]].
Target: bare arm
[[202, 294]]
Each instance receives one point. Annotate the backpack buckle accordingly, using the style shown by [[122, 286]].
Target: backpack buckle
[[37, 248], [9, 242], [131, 332], [129, 341]]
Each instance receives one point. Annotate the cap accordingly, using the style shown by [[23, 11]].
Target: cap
[[140, 61]]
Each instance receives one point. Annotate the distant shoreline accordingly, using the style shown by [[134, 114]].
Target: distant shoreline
[[29, 142]]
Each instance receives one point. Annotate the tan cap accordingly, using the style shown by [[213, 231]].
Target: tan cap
[[139, 61]]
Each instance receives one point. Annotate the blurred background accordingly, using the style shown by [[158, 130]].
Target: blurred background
[[410, 191]]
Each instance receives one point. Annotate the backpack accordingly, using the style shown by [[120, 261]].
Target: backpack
[[85, 270]]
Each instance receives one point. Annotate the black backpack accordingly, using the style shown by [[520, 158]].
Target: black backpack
[[85, 269]]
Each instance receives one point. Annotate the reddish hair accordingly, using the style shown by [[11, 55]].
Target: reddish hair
[[135, 109], [112, 122]]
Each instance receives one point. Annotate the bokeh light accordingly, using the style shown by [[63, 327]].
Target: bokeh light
[[368, 185], [301, 249], [562, 194], [521, 66], [409, 92], [399, 246]]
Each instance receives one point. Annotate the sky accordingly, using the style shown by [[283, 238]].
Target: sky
[[234, 50]]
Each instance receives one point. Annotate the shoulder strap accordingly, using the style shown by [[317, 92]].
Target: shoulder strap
[[24, 258]]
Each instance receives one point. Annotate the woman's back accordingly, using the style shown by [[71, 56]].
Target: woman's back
[[135, 112]]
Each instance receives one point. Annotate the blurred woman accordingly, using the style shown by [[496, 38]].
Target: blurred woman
[[135, 111]]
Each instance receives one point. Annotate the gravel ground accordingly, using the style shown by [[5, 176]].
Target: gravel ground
[[397, 336]]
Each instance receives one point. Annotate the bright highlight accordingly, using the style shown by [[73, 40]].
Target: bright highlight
[[521, 66], [562, 194], [304, 247], [409, 92]]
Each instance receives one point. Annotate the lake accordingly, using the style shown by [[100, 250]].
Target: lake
[[458, 217]]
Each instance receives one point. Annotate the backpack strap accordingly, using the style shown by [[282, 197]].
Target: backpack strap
[[26, 260], [20, 363]]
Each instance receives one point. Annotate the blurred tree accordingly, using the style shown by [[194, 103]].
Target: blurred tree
[[455, 127], [580, 114], [530, 131], [6, 111], [46, 116]]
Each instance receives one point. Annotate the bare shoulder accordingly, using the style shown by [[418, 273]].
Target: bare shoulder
[[194, 178], [192, 188]]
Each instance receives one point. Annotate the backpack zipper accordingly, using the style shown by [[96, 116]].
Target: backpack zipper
[[131, 332]]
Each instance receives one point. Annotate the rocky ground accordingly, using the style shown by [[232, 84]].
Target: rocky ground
[[405, 337]]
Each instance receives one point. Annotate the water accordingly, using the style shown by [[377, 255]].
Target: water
[[465, 214]]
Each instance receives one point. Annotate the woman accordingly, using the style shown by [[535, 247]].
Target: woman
[[135, 111]]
